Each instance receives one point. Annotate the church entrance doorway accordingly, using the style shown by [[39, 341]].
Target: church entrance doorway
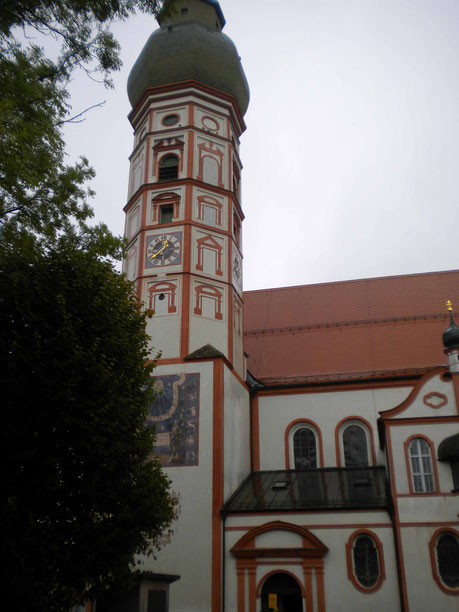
[[283, 590]]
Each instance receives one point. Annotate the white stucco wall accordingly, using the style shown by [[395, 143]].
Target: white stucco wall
[[423, 592], [191, 539], [436, 433], [326, 410], [333, 529], [418, 407], [206, 328], [236, 433]]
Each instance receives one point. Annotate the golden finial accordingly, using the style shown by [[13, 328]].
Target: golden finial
[[450, 305]]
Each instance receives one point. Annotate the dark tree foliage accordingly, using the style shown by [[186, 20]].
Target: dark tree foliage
[[81, 496]]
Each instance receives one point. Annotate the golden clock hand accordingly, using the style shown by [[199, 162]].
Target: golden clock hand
[[160, 250]]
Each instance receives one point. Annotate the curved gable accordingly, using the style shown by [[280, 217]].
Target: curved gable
[[433, 395], [304, 544]]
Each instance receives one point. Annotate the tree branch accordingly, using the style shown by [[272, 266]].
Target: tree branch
[[74, 119]]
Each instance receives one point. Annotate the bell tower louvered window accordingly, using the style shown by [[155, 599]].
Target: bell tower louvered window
[[168, 168]]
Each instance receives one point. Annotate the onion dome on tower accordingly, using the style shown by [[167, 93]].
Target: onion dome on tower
[[451, 341], [451, 335], [190, 45]]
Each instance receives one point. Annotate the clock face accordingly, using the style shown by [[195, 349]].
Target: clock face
[[237, 270], [164, 250]]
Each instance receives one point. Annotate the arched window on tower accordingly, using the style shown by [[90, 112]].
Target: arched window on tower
[[168, 168]]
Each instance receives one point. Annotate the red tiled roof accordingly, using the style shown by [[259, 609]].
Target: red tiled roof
[[350, 329]]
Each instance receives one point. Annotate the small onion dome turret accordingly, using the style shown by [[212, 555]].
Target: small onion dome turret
[[451, 335], [190, 45]]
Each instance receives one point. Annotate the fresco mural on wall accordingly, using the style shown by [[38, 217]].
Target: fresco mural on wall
[[175, 413]]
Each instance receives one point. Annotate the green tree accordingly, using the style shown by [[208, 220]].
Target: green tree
[[82, 496], [39, 193], [81, 26]]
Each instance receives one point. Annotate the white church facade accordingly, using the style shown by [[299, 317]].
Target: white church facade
[[312, 433]]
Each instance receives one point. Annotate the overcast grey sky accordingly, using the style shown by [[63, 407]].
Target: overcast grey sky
[[351, 150]]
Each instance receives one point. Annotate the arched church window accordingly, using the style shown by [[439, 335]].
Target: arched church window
[[304, 448], [422, 475], [303, 445], [355, 446], [365, 561], [168, 168]]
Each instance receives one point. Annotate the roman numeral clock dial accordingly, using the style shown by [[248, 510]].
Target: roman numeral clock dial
[[164, 250]]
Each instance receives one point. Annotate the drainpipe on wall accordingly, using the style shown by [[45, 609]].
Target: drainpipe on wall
[[251, 396], [397, 558], [391, 511], [223, 561], [254, 386]]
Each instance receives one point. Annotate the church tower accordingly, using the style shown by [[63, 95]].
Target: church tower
[[183, 222], [184, 216]]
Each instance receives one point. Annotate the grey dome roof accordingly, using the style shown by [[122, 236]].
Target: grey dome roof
[[451, 335], [189, 51]]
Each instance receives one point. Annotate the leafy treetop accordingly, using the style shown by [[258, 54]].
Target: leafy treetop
[[40, 195], [82, 26], [81, 497]]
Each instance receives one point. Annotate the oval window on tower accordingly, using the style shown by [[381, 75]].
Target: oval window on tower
[[170, 119], [210, 123]]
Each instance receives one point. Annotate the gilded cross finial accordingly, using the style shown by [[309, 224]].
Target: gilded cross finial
[[450, 305]]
